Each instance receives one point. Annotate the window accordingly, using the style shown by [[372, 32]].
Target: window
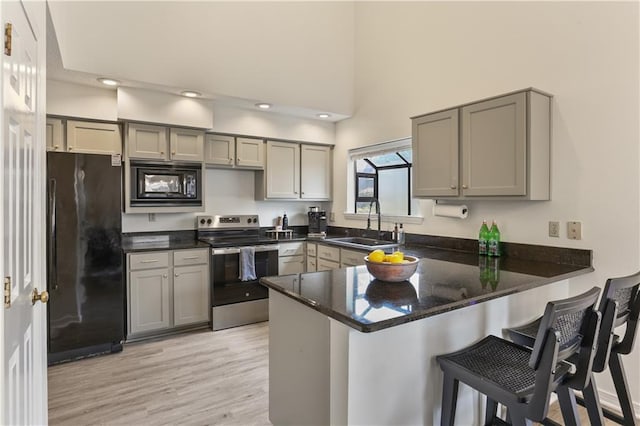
[[383, 172]]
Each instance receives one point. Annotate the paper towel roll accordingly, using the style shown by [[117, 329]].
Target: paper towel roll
[[449, 210]]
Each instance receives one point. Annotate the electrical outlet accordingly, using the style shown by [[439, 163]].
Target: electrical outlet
[[574, 230], [152, 217], [554, 229], [332, 217]]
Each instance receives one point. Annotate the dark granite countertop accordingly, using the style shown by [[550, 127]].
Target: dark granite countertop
[[445, 280], [177, 240]]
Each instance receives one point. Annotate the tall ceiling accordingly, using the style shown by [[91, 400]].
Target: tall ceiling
[[298, 56]]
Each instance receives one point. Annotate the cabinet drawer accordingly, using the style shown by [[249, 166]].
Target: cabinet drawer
[[154, 259], [327, 265], [291, 249], [190, 257], [351, 258], [311, 249], [329, 253]]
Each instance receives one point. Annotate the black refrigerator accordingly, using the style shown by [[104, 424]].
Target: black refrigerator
[[86, 309]]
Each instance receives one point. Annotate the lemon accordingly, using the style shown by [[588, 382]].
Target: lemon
[[399, 254], [377, 256], [396, 258]]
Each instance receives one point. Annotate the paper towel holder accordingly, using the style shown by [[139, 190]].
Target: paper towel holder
[[458, 211]]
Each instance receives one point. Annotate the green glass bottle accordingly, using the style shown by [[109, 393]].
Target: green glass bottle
[[483, 239], [493, 247]]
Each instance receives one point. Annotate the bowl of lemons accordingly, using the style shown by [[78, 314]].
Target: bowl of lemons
[[394, 267]]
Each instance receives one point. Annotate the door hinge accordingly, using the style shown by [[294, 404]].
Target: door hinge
[[7, 38], [7, 292]]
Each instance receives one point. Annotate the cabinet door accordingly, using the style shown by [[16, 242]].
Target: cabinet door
[[494, 147], [187, 145], [219, 150], [149, 307], [435, 154], [283, 170], [250, 153], [291, 265], [326, 265], [146, 141], [351, 258], [312, 264], [93, 138], [315, 172], [190, 294], [54, 132]]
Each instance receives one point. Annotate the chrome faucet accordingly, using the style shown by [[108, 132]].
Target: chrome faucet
[[374, 200]]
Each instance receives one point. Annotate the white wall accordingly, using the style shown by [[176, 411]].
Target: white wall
[[81, 101], [417, 57]]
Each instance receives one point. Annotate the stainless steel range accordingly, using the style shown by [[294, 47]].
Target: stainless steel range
[[240, 256]]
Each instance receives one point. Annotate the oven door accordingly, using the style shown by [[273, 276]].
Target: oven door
[[225, 271]]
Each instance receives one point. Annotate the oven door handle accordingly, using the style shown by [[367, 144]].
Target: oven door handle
[[235, 250]]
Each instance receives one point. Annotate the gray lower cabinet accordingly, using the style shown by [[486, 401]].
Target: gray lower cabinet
[[166, 290], [291, 259]]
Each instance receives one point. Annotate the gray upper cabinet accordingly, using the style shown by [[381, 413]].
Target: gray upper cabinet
[[87, 137], [295, 172], [232, 151], [497, 148], [435, 154], [162, 143]]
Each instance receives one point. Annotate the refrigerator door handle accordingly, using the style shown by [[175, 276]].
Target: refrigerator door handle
[[53, 249]]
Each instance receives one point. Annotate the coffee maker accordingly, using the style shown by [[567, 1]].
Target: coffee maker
[[317, 222]]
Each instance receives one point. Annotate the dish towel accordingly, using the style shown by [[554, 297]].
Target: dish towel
[[247, 264]]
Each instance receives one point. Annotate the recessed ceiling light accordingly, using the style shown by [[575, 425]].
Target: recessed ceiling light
[[108, 81], [323, 115], [263, 105], [190, 94]]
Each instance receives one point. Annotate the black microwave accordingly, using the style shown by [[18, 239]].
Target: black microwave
[[165, 184]]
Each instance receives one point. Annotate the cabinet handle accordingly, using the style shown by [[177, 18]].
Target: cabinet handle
[[230, 160], [161, 152], [295, 192], [164, 275], [173, 153], [176, 274], [239, 160], [464, 186], [190, 257], [247, 294], [302, 192], [149, 261], [56, 147], [453, 187], [70, 148]]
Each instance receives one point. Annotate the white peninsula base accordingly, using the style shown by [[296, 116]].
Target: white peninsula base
[[323, 372]]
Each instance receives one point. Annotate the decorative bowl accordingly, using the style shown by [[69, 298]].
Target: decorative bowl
[[392, 272]]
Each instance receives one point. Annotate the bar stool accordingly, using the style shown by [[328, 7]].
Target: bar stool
[[620, 305], [522, 378]]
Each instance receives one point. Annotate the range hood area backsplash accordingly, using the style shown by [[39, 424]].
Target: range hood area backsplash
[[226, 192]]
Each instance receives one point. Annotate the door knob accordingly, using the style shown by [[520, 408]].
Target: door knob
[[41, 297]]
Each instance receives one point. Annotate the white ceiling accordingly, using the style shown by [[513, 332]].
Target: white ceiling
[[298, 56]]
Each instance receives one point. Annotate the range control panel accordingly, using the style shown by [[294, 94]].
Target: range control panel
[[228, 222]]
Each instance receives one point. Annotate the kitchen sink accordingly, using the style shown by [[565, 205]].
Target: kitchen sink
[[363, 243]]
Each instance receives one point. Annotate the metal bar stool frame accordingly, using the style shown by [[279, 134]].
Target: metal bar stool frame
[[522, 378]]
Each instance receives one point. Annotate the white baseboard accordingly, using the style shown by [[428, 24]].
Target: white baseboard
[[610, 400]]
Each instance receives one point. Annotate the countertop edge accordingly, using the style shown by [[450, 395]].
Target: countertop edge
[[393, 322]]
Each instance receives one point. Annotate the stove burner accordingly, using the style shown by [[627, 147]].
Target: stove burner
[[231, 231]]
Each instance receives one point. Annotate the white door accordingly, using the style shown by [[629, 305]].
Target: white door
[[23, 324]]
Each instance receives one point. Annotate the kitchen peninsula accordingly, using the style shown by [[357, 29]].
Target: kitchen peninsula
[[345, 348]]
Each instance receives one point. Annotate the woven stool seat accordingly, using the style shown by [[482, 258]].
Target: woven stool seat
[[504, 363]]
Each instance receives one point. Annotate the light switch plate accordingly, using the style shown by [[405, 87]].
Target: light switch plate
[[554, 229], [574, 230]]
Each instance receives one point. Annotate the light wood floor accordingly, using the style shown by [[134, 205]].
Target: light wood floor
[[199, 378]]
